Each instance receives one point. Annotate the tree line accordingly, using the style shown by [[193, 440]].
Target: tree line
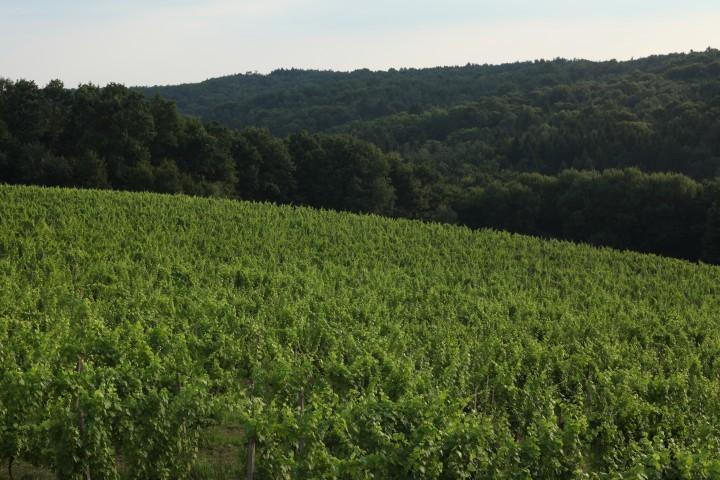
[[114, 137]]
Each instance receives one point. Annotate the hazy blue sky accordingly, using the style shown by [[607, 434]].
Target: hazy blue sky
[[175, 41]]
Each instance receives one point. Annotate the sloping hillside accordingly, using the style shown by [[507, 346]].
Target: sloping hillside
[[287, 100], [658, 113], [343, 346]]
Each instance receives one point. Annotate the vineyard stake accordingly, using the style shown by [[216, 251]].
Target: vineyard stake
[[81, 414], [301, 446], [251, 458]]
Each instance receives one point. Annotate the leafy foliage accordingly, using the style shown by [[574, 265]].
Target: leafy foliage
[[349, 346]]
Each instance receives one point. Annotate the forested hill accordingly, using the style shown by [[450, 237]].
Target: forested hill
[[288, 100], [625, 155], [659, 113]]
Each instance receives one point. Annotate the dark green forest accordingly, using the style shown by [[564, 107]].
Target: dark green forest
[[619, 154], [660, 113]]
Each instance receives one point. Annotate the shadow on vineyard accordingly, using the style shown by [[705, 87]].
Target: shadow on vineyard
[[166, 337], [219, 458]]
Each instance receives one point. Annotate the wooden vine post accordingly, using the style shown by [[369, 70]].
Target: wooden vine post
[[301, 446], [250, 467], [81, 415], [250, 475]]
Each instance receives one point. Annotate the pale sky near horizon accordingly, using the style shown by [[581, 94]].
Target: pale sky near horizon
[[153, 42]]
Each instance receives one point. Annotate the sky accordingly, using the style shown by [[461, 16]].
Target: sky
[[160, 42]]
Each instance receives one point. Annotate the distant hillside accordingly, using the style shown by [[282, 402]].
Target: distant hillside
[[660, 113], [159, 336]]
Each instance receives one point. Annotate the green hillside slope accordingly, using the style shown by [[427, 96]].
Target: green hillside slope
[[658, 113], [343, 346]]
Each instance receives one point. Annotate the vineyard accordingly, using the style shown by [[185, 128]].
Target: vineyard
[[134, 327]]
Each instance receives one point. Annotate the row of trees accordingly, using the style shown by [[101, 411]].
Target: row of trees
[[663, 213], [113, 137]]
